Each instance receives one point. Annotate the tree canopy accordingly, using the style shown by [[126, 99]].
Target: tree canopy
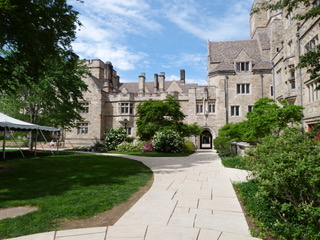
[[266, 118], [31, 31], [154, 115], [54, 100]]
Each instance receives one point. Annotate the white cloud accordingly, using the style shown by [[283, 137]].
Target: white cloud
[[231, 24]]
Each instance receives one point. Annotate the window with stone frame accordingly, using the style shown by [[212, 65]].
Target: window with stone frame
[[292, 77], [313, 93], [289, 17], [235, 111], [278, 77], [242, 66], [82, 128], [126, 108], [243, 88], [199, 107], [211, 107], [250, 108], [271, 91], [311, 45], [128, 130], [85, 107]]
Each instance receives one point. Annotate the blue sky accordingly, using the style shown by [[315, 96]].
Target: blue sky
[[153, 36]]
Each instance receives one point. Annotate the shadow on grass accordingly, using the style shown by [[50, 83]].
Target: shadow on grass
[[67, 185]]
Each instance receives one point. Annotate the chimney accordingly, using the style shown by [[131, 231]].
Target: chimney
[[162, 82], [156, 83], [182, 76], [142, 83], [107, 77]]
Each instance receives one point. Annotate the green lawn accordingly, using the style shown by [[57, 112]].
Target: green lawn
[[69, 186]]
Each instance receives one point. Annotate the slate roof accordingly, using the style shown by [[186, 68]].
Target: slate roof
[[264, 40], [133, 87], [224, 53]]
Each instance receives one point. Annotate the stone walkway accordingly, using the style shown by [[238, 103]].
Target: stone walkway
[[192, 198]]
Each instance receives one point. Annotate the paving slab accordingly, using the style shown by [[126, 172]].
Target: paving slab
[[171, 233], [133, 231], [39, 236], [206, 234], [192, 198], [223, 221]]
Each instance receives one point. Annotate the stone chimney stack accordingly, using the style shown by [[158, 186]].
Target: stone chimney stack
[[182, 76], [108, 72], [162, 82], [142, 83], [156, 83]]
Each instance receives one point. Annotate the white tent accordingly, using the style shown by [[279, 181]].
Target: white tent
[[9, 123]]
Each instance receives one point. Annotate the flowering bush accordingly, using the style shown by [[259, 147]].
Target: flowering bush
[[148, 147], [168, 141], [114, 137], [134, 146]]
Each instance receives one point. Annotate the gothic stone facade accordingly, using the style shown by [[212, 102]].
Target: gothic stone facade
[[239, 74]]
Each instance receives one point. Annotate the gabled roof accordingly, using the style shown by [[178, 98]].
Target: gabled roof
[[229, 50], [225, 53], [133, 87]]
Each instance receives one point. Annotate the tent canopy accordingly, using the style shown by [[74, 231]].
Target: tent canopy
[[15, 124]]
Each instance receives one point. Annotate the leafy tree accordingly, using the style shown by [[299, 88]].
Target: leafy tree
[[231, 132], [311, 60], [54, 100], [32, 31], [267, 117], [155, 115]]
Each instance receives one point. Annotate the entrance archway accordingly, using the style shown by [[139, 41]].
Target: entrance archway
[[206, 140]]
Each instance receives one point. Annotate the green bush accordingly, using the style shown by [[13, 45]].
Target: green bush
[[168, 141], [189, 147], [287, 171], [134, 146], [114, 137], [234, 162]]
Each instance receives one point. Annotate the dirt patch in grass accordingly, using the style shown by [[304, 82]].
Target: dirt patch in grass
[[107, 218]]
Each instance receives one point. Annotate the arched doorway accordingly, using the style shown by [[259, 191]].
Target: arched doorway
[[206, 140]]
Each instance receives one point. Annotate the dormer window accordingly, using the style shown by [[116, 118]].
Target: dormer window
[[242, 66]]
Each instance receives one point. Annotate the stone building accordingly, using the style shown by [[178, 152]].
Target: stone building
[[239, 74]]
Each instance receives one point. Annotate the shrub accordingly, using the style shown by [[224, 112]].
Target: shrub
[[134, 146], [114, 137], [189, 147], [287, 171], [234, 162], [168, 141], [148, 147]]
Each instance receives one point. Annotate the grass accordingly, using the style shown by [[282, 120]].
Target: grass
[[234, 162], [257, 208], [152, 154], [71, 186]]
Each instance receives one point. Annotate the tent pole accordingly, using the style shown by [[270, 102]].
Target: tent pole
[[58, 142], [35, 146], [4, 143], [16, 143], [45, 140]]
